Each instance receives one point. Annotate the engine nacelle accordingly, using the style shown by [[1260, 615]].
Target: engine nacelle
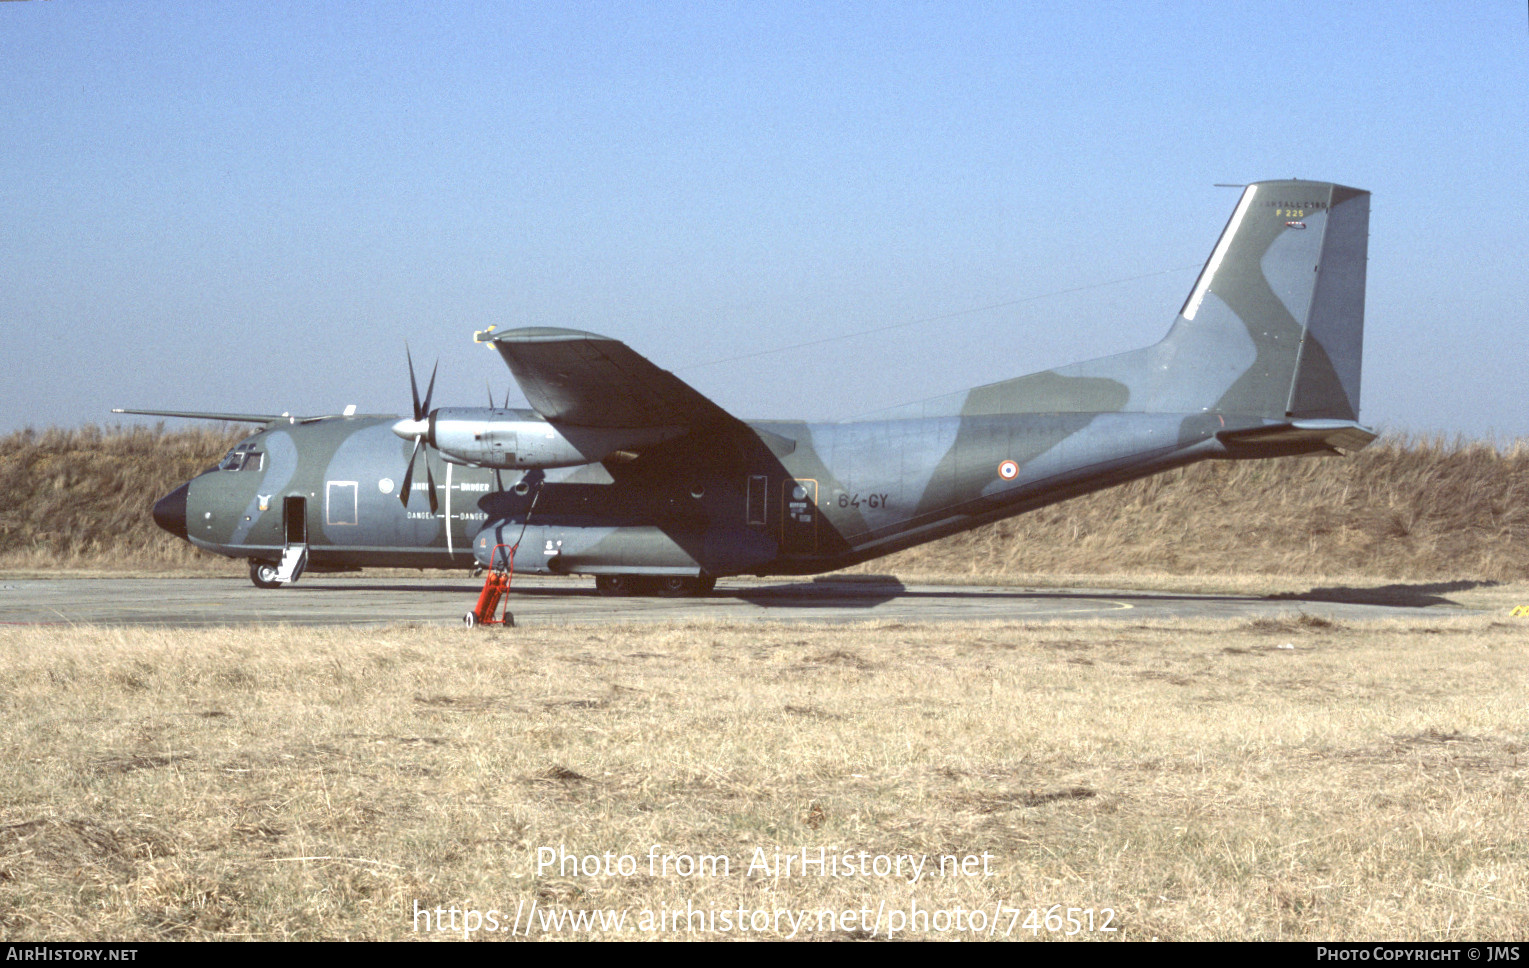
[[519, 440]]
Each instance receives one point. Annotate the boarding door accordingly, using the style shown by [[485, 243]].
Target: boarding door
[[294, 553]]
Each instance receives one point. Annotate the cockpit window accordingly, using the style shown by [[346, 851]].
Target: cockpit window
[[243, 458]]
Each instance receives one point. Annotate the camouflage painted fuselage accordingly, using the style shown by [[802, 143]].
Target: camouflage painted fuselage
[[1263, 360]]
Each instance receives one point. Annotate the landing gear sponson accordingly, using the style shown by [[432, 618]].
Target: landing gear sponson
[[671, 586]]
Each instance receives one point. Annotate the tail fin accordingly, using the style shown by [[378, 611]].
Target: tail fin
[[1288, 271], [1273, 329]]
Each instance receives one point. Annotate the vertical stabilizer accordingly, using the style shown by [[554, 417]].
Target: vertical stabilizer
[[1288, 271], [1272, 330]]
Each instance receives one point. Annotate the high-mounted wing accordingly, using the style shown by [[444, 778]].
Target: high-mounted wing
[[265, 418], [583, 379], [200, 415]]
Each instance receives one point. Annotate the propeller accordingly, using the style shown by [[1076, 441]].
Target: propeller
[[490, 388], [419, 429]]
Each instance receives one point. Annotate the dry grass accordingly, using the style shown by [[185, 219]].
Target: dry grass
[[1289, 778], [83, 499]]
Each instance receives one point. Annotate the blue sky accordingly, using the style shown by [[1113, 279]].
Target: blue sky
[[251, 207]]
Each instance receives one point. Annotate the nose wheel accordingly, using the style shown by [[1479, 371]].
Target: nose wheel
[[263, 574]]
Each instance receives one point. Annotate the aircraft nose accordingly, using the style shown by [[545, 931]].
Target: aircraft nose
[[170, 511]]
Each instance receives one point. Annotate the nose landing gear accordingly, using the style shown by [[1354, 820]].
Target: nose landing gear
[[263, 574]]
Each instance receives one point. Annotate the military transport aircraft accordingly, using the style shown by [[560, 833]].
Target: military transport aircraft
[[624, 472]]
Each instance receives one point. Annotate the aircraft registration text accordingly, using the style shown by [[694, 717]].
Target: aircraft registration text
[[869, 500]]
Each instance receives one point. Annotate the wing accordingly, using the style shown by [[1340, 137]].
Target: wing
[[585, 380], [199, 415], [265, 418]]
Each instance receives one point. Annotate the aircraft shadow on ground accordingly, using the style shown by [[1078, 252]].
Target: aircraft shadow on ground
[[793, 595], [872, 590], [319, 586], [1405, 596], [839, 593], [862, 592], [859, 592]]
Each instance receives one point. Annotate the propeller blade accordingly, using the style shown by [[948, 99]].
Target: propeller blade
[[429, 392], [413, 384], [408, 475], [435, 502]]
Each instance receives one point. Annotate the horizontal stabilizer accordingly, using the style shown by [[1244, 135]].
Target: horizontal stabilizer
[[1298, 437]]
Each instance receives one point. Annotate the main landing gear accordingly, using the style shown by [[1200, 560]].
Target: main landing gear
[[670, 586]]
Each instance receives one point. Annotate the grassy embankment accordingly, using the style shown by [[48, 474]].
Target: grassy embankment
[[82, 500], [1425, 510]]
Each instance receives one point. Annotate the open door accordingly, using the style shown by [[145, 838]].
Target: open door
[[294, 554]]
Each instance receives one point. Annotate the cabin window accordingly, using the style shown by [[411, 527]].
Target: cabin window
[[341, 502]]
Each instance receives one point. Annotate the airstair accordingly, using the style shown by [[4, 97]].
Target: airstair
[[294, 558]]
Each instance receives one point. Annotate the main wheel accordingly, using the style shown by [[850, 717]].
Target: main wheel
[[621, 584], [263, 574], [678, 586]]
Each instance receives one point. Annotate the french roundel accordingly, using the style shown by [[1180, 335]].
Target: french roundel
[[1008, 470]]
